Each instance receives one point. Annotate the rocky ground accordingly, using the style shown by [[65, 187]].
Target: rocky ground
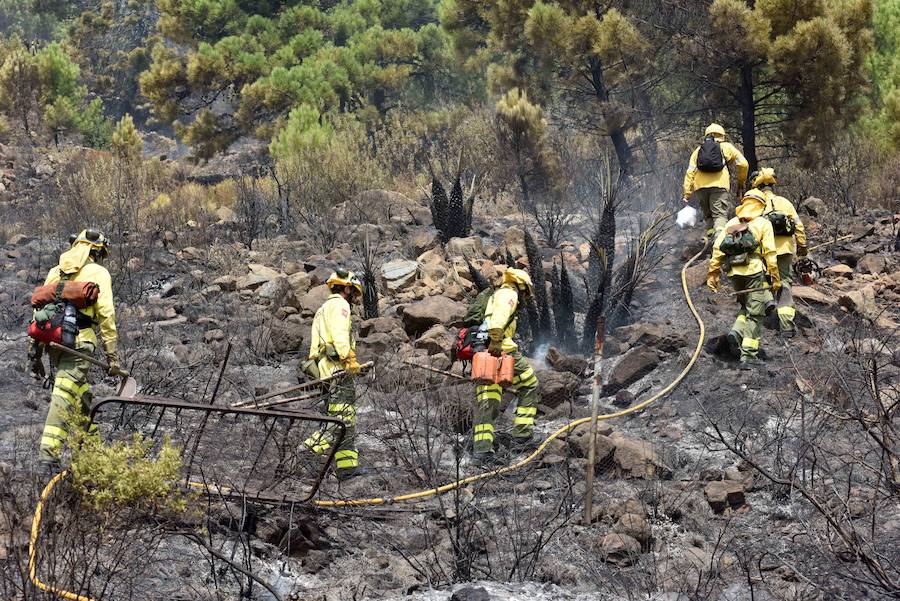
[[709, 493]]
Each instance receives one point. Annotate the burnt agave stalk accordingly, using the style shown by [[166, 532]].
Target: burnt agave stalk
[[600, 270], [544, 325], [439, 207], [563, 307]]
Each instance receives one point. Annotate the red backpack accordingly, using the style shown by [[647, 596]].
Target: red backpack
[[464, 346]]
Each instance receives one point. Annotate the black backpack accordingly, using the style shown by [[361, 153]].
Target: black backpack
[[710, 158], [782, 223]]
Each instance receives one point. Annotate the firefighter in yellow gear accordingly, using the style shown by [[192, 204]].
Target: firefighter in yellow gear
[[333, 348], [711, 188], [500, 322], [784, 217], [71, 396], [748, 271]]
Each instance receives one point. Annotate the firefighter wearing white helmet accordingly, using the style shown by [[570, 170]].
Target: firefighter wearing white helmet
[[70, 400], [500, 322], [790, 240], [332, 349], [708, 178]]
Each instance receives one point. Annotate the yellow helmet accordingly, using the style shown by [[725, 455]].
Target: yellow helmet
[[766, 176], [94, 237], [342, 277], [518, 277], [714, 129], [753, 204]]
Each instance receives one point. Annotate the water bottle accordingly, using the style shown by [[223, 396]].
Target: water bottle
[[69, 326]]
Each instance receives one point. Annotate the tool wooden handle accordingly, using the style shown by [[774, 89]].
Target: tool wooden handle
[[760, 289], [78, 354]]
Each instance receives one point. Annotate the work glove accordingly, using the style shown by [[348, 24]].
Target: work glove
[[712, 282], [495, 346], [35, 364], [351, 365], [802, 251], [776, 285], [115, 369]]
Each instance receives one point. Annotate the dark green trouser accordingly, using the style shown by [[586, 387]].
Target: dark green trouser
[[341, 404], [715, 204], [70, 401], [786, 309], [488, 396], [749, 322]]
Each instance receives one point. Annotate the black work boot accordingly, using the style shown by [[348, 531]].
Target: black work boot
[[750, 363], [787, 333], [353, 472], [486, 460], [734, 339], [47, 468]]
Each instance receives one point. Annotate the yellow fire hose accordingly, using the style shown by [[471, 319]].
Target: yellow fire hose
[[506, 469], [36, 522]]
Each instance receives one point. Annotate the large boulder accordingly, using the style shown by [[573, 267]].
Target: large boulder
[[299, 282], [722, 494], [815, 207], [874, 264], [633, 366], [399, 274], [471, 247], [435, 341], [312, 300], [635, 526], [264, 271], [652, 336], [695, 275], [421, 315], [557, 387], [860, 302], [638, 459], [287, 337], [839, 271], [574, 364], [809, 294], [381, 325], [424, 240], [620, 549], [579, 441]]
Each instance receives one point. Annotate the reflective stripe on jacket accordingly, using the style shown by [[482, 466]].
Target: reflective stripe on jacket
[[694, 179], [102, 312]]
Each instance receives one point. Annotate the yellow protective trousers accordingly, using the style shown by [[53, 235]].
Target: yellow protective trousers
[[488, 397], [70, 402], [749, 322], [786, 310], [342, 405]]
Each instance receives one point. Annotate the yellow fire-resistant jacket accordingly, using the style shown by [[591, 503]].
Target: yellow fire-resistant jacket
[[499, 311], [103, 312], [765, 259], [694, 179], [331, 329], [784, 245]]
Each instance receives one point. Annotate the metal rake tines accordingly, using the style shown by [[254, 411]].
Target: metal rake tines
[[230, 451]]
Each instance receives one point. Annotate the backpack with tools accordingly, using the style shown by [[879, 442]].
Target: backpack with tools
[[709, 157], [738, 244], [782, 223], [57, 317], [474, 337]]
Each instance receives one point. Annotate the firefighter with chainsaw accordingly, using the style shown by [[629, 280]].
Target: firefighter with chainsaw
[[332, 350], [708, 178], [500, 323], [790, 240], [745, 248], [70, 399]]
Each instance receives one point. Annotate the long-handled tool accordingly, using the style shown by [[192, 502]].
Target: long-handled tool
[[128, 387], [437, 371], [254, 401]]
